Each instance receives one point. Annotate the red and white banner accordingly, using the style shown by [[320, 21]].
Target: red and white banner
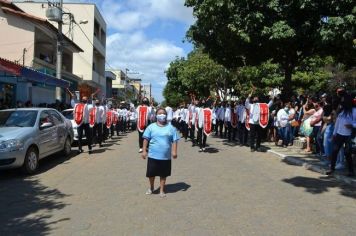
[[207, 121], [108, 119], [79, 113], [142, 118], [247, 124], [115, 118], [92, 117], [264, 115]]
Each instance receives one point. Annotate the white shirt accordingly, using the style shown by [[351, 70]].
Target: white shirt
[[241, 113], [100, 113], [169, 111], [186, 115], [221, 113], [341, 121], [251, 108], [227, 114], [282, 118]]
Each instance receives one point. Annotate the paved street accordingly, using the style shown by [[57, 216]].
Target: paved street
[[227, 191]]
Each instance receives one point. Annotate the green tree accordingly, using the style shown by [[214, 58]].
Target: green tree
[[239, 33]]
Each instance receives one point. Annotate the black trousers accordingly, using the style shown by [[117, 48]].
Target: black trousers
[[201, 138], [227, 132], [215, 127], [185, 130], [255, 136], [105, 132], [98, 133], [112, 130], [192, 133], [88, 134], [140, 139], [242, 133], [221, 127], [339, 142]]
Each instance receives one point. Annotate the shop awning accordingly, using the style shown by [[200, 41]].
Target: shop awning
[[36, 76], [10, 67], [31, 75]]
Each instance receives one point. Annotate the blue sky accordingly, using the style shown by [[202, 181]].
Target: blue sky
[[145, 36]]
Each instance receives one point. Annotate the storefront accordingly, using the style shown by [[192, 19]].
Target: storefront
[[22, 84]]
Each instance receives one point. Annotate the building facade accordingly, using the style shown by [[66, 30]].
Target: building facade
[[87, 28], [31, 42]]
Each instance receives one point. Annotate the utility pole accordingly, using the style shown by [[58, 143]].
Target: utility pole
[[23, 56], [59, 51]]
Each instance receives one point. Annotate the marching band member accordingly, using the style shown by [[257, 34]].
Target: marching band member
[[204, 125], [143, 116], [81, 117], [258, 119], [99, 113]]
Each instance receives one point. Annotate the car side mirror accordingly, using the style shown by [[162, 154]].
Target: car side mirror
[[46, 125]]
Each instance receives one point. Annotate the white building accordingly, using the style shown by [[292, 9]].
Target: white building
[[89, 33]]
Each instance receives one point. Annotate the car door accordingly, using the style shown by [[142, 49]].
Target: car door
[[60, 129], [45, 134]]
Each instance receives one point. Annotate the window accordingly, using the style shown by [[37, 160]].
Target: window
[[45, 118], [56, 117]]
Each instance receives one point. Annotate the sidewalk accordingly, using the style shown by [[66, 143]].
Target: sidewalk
[[294, 155]]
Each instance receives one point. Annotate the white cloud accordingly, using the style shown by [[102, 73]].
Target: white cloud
[[132, 15], [140, 54]]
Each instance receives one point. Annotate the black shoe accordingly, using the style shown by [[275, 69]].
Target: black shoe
[[80, 151], [100, 145], [258, 149], [90, 152], [329, 172]]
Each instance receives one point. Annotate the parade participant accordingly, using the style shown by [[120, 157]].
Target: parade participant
[[204, 125], [242, 131], [133, 118], [227, 122], [105, 130], [114, 120], [81, 118], [185, 122], [163, 139], [234, 121], [109, 120], [258, 120], [98, 112], [124, 116], [221, 116], [215, 121], [169, 111], [192, 119], [119, 126], [143, 116]]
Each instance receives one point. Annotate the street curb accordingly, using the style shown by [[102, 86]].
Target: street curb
[[315, 168]]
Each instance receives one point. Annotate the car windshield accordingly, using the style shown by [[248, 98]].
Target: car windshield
[[68, 114], [18, 118]]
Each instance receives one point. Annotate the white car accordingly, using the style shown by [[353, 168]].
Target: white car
[[68, 114]]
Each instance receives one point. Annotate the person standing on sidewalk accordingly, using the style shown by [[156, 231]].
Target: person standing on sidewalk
[[162, 138], [342, 134]]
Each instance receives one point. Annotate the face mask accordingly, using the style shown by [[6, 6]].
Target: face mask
[[286, 108], [84, 101], [161, 118], [97, 104]]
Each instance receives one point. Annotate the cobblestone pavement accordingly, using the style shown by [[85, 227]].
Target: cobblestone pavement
[[226, 191]]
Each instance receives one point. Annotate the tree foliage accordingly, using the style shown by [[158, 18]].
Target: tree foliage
[[284, 32]]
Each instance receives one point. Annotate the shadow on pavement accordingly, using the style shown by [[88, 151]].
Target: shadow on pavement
[[321, 185], [27, 207], [211, 150], [173, 188]]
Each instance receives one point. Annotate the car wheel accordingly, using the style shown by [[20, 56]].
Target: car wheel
[[67, 147], [31, 161]]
